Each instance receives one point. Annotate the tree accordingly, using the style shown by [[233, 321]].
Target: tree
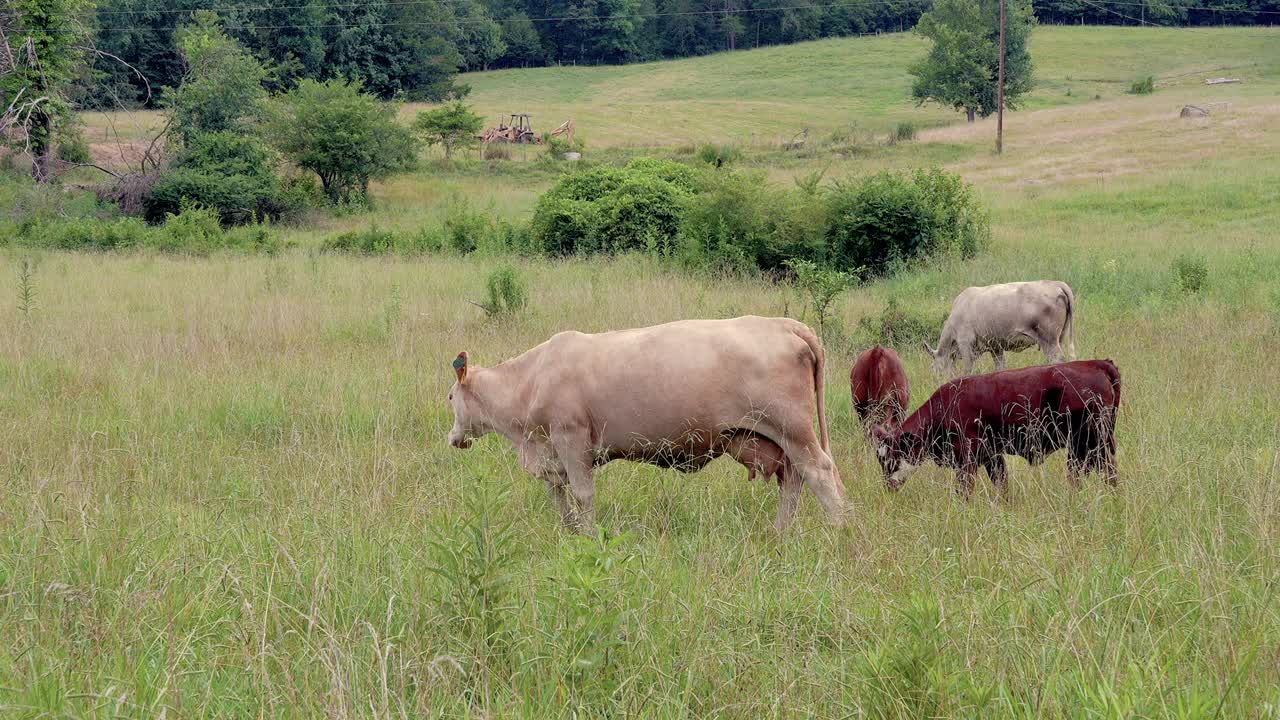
[[960, 69], [453, 126], [41, 43], [341, 134], [221, 86]]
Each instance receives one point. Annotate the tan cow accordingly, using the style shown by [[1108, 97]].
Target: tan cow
[[1007, 318], [672, 395]]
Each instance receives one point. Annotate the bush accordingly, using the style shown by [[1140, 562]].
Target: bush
[[1143, 86], [890, 218], [84, 234], [371, 241], [899, 328], [738, 221], [227, 172], [718, 155], [72, 148], [904, 132], [876, 222], [193, 229], [557, 146], [1191, 273], [505, 293], [637, 207], [466, 230]]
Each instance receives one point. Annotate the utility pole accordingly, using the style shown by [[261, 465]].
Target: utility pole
[[1000, 90]]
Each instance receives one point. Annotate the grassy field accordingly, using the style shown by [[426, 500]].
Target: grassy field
[[224, 483]]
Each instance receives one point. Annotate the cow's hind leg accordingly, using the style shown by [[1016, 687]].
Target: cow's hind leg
[[810, 465], [1051, 348], [789, 484]]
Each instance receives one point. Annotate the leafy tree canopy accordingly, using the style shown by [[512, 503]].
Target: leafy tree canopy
[[453, 126], [341, 134], [961, 68]]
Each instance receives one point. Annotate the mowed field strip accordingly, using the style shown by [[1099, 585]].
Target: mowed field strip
[[224, 481]]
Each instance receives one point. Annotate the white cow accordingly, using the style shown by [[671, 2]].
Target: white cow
[[673, 395], [1007, 318]]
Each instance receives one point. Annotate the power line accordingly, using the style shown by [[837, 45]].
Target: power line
[[598, 18], [402, 3]]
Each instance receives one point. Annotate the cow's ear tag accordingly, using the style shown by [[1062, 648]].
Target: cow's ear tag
[[460, 367]]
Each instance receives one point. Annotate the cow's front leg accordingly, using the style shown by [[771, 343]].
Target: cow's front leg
[[573, 448], [965, 475], [558, 488], [999, 474]]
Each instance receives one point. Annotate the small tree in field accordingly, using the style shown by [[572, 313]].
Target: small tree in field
[[960, 70], [453, 126], [339, 133]]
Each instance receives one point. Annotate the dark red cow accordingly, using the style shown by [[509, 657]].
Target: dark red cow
[[878, 384], [975, 421]]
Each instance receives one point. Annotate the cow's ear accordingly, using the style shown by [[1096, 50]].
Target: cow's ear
[[460, 367], [931, 351]]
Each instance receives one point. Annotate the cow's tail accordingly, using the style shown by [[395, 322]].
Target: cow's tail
[[1069, 328], [819, 382]]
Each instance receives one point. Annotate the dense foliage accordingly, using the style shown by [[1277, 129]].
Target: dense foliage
[[230, 173], [344, 136], [41, 53], [721, 219]]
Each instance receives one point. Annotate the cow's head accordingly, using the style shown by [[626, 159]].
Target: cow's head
[[467, 419], [900, 452], [943, 358]]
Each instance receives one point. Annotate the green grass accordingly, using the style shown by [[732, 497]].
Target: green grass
[[224, 481], [759, 96]]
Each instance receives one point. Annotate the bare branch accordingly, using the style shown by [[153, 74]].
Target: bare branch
[[117, 58], [92, 165]]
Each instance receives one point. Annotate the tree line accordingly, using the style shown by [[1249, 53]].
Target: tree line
[[413, 49]]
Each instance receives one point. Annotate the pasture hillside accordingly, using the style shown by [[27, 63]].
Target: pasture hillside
[[761, 95], [225, 490]]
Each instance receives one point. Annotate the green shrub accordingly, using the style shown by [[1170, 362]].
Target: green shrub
[[194, 229], [506, 293], [465, 229], [718, 155], [228, 172], [904, 132], [960, 224], [602, 209], [371, 241], [557, 146], [877, 221], [1143, 86], [72, 148], [1191, 273], [890, 218], [899, 328], [819, 287], [738, 221]]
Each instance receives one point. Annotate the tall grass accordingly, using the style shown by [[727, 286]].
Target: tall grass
[[225, 496]]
